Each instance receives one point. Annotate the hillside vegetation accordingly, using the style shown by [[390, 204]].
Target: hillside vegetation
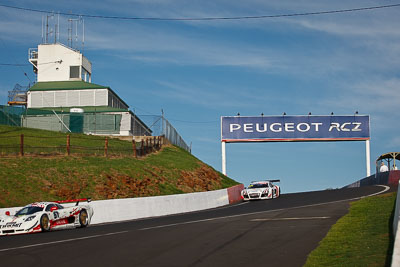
[[39, 178]]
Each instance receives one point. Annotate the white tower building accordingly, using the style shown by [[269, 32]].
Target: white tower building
[[57, 62], [64, 85]]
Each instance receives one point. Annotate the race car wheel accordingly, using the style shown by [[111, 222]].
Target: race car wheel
[[83, 218], [45, 223]]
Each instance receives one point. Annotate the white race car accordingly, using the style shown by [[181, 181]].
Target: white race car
[[261, 190], [46, 216]]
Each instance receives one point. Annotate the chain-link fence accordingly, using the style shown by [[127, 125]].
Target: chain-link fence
[[10, 115], [12, 144], [162, 127]]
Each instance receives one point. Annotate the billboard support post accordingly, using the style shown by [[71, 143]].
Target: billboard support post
[[367, 157], [223, 158]]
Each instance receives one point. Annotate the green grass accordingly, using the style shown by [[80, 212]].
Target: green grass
[[38, 141], [360, 238], [171, 170]]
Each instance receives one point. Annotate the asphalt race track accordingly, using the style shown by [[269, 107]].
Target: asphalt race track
[[279, 232]]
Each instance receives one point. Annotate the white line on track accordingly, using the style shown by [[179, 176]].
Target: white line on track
[[62, 241], [386, 188], [290, 219]]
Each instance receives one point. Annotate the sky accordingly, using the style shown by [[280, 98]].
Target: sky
[[198, 71]]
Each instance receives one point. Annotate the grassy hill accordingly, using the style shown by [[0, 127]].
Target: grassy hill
[[38, 178]]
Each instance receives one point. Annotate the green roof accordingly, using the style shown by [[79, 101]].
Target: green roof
[[58, 110], [66, 85]]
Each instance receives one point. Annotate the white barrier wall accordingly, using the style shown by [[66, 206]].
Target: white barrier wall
[[134, 208], [114, 210]]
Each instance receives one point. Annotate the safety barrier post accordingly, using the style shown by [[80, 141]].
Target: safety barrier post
[[21, 146], [68, 145], [223, 148], [134, 148], [106, 147]]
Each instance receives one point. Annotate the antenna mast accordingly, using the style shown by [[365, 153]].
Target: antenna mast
[[47, 30], [73, 33]]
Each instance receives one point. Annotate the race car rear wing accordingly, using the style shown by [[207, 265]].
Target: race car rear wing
[[272, 181], [74, 200]]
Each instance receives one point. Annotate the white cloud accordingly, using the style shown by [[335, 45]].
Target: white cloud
[[201, 95], [378, 95]]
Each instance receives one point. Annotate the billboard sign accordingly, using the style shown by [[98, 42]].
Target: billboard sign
[[295, 128]]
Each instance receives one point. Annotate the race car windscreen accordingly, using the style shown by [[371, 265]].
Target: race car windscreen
[[28, 210], [258, 185]]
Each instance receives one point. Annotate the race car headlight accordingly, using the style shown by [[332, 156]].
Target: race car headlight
[[30, 218]]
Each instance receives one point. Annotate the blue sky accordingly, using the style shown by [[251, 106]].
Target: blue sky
[[197, 71]]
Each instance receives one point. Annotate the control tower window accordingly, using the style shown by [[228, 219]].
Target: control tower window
[[74, 72]]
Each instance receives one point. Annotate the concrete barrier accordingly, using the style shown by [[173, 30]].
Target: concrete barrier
[[385, 178], [114, 210], [134, 208], [234, 193]]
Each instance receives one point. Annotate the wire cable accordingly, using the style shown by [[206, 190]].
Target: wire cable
[[16, 64], [208, 18], [13, 65], [200, 122]]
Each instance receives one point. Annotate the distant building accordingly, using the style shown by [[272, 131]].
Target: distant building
[[64, 99]]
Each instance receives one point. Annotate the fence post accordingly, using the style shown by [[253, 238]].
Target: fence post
[[68, 145], [154, 143], [142, 148], [106, 147], [21, 145], [147, 146], [134, 148]]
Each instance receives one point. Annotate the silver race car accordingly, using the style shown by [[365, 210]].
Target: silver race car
[[46, 216], [261, 190]]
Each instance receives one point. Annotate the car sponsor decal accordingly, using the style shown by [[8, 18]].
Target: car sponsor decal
[[40, 205], [10, 225], [58, 222]]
